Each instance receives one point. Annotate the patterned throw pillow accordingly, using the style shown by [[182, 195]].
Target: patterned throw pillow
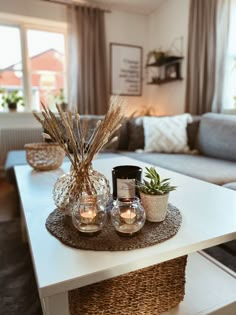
[[135, 133], [166, 134]]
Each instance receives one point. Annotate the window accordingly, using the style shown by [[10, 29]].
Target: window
[[230, 81], [10, 66], [32, 67]]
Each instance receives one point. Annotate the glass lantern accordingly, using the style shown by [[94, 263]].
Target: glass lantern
[[89, 215], [128, 216]]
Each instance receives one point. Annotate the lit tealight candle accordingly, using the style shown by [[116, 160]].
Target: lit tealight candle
[[128, 216], [87, 217]]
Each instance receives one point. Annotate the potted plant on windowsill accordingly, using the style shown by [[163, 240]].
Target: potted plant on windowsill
[[59, 99], [154, 195], [11, 99]]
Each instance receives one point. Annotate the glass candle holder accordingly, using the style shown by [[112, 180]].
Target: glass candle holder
[[124, 178], [89, 215], [128, 216]]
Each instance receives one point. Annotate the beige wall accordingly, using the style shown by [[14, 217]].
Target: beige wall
[[34, 8], [125, 28], [151, 32], [169, 22]]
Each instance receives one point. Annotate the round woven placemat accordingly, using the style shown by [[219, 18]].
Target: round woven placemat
[[61, 226]]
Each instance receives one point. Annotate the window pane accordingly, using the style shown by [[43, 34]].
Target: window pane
[[47, 65], [10, 68]]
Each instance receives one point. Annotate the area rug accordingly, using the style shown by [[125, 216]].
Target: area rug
[[18, 290]]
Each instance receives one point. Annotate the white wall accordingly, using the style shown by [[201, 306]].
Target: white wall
[[34, 8], [126, 28], [166, 24]]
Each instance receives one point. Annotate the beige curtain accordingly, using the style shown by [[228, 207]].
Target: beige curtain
[[207, 43], [88, 83]]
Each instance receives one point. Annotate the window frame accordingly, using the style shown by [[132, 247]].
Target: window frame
[[28, 23]]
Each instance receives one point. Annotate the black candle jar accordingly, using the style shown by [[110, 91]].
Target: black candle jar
[[124, 178]]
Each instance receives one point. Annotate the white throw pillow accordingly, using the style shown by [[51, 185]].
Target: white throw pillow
[[166, 134]]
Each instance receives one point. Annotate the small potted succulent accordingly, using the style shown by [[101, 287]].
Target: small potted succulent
[[154, 195]]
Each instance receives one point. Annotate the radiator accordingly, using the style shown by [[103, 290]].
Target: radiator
[[15, 138]]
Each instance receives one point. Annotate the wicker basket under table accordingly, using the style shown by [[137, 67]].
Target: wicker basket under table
[[147, 291]]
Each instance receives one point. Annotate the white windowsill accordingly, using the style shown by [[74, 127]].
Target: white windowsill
[[17, 119]]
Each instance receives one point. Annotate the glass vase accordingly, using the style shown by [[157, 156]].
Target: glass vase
[[67, 189], [128, 216], [89, 215]]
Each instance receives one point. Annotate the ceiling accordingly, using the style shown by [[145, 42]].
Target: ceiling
[[145, 7]]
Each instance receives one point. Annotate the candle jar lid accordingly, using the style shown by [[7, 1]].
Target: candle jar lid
[[128, 216]]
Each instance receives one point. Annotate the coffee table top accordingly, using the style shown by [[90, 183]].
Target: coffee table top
[[208, 212]]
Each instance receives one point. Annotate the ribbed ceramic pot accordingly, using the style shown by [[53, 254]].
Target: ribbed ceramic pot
[[155, 206]]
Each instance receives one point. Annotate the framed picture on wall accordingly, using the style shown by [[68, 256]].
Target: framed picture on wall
[[172, 71], [125, 69]]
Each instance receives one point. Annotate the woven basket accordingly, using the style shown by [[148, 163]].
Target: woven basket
[[147, 291], [44, 156]]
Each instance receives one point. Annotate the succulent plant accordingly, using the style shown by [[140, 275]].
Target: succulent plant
[[156, 185]]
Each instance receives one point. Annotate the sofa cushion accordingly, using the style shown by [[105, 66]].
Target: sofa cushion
[[123, 135], [231, 185], [166, 134], [192, 132], [205, 168], [136, 133], [217, 136]]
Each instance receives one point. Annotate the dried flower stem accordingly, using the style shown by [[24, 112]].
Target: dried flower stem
[[71, 134]]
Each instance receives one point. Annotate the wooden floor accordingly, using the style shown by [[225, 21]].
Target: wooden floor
[[9, 203]]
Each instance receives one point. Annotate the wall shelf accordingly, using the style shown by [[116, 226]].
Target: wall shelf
[[165, 61], [163, 81], [168, 70]]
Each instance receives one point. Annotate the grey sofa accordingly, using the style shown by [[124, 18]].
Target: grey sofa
[[211, 138]]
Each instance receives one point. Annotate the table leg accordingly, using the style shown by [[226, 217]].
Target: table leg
[[23, 225], [56, 304]]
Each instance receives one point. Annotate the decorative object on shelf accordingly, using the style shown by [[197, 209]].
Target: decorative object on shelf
[[154, 195], [71, 134], [172, 71], [44, 156], [155, 57], [124, 178], [89, 214], [128, 216]]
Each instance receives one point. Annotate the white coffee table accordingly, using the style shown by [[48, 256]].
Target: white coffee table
[[209, 218]]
